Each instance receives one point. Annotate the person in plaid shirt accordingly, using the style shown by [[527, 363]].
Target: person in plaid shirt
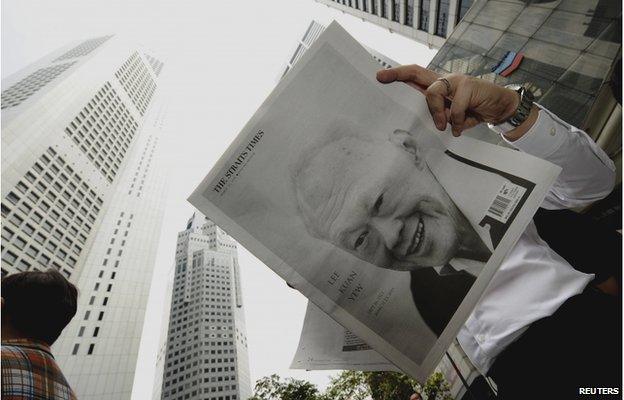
[[36, 307]]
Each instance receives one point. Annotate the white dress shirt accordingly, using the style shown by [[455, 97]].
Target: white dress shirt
[[534, 281]]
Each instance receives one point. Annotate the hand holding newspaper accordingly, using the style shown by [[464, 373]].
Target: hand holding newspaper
[[344, 188]]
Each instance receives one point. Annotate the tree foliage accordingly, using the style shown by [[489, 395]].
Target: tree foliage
[[273, 387], [354, 385]]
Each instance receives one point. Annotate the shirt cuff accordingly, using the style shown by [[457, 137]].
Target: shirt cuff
[[546, 135]]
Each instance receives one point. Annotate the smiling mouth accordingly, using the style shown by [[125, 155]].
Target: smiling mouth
[[418, 238]]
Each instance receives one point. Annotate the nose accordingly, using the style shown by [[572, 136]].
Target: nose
[[389, 229]]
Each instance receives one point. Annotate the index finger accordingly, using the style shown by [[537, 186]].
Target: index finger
[[414, 73]]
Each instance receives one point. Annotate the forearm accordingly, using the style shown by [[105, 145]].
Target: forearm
[[587, 172]]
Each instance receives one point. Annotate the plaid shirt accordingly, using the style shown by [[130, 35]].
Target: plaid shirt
[[30, 372]]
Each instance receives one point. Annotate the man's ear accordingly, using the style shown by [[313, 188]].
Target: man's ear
[[406, 141]]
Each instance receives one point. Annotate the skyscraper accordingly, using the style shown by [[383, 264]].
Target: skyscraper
[[427, 21], [206, 353], [83, 192]]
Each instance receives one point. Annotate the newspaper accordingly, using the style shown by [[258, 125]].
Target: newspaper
[[344, 188], [325, 344]]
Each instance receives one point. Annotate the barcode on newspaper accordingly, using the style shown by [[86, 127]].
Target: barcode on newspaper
[[505, 201], [499, 206]]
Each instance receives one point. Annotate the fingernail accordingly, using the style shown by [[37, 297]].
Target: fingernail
[[440, 123]]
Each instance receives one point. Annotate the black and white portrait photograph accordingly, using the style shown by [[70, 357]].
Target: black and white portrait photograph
[[346, 190]]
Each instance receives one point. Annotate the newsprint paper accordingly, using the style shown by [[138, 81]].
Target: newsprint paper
[[345, 189], [325, 344]]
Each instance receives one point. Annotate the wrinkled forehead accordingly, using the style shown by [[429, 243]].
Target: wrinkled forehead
[[332, 177]]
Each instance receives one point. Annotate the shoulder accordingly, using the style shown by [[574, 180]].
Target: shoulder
[[13, 355], [28, 370]]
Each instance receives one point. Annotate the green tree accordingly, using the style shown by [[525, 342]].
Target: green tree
[[348, 385], [390, 385], [273, 387], [436, 388], [354, 385]]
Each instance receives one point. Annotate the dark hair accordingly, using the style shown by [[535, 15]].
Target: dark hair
[[39, 304]]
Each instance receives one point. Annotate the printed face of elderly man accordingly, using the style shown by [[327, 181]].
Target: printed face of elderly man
[[378, 200]]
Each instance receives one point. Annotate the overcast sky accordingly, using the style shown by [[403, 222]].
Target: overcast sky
[[222, 58]]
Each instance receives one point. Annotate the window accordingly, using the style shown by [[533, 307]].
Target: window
[[101, 315], [409, 13], [395, 10], [51, 246], [25, 208], [384, 10], [96, 331], [43, 260], [442, 18], [81, 331], [91, 348], [31, 251], [75, 349], [7, 234], [464, 6], [9, 257], [13, 198], [19, 243], [87, 313], [16, 220], [29, 230], [423, 23]]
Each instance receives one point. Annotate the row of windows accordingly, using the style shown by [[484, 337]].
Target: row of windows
[[143, 168], [137, 81], [104, 130], [48, 216], [206, 370], [156, 64], [193, 394], [83, 48], [390, 9], [20, 91], [107, 287]]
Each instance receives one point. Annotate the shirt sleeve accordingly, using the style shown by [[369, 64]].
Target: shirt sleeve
[[587, 175]]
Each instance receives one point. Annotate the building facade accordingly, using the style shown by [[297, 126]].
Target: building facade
[[429, 22], [571, 58], [206, 352], [83, 192]]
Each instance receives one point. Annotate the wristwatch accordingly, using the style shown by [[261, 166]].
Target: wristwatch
[[521, 114]]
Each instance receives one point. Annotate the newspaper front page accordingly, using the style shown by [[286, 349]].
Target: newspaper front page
[[344, 188]]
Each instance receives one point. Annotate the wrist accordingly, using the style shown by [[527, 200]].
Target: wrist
[[524, 127], [519, 114]]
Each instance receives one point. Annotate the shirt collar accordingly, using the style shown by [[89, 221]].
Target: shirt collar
[[30, 343], [473, 267]]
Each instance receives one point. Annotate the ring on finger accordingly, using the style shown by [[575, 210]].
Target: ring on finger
[[447, 84]]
